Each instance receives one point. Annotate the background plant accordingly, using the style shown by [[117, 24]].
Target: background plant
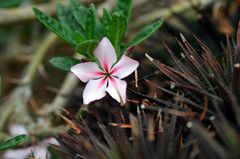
[[33, 92], [80, 28]]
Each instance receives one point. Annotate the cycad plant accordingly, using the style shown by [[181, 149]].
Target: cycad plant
[[198, 119]]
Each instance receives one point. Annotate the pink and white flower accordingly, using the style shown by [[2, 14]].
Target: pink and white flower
[[39, 150], [105, 76]]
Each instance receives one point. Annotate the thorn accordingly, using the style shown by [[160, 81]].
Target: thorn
[[172, 86], [143, 106], [237, 65], [183, 55], [183, 38], [121, 125], [149, 57], [136, 78], [212, 118], [159, 110], [189, 124], [138, 110]]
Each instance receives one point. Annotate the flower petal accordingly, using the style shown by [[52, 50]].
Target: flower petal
[[17, 153], [117, 89], [105, 53], [17, 129], [94, 90], [124, 67], [40, 152], [87, 71]]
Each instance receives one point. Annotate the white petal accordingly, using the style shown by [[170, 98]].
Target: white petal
[[94, 90], [40, 152], [17, 154], [50, 141], [17, 129], [124, 67], [87, 71], [105, 53], [117, 89]]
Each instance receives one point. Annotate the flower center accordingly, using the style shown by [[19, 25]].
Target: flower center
[[108, 74]]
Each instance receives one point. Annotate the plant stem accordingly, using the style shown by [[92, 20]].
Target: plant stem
[[62, 96], [167, 12], [49, 40], [20, 95], [23, 14]]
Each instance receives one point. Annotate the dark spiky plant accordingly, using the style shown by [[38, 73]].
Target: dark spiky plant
[[201, 119]]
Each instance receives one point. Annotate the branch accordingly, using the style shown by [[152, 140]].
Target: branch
[[167, 12], [23, 14], [20, 95]]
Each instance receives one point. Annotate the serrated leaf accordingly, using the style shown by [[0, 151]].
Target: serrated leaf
[[59, 29], [79, 37], [106, 20], [116, 29], [64, 63], [106, 17], [62, 13], [100, 30], [145, 33], [86, 48], [17, 140], [80, 14], [124, 7], [66, 17], [75, 4], [90, 26]]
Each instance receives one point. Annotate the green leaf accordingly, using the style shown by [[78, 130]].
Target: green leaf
[[13, 142], [59, 29], [106, 17], [124, 7], [75, 4], [80, 14], [64, 63], [106, 20], [116, 30], [79, 37], [100, 30], [86, 48], [91, 23], [145, 33], [66, 17], [9, 3], [63, 13]]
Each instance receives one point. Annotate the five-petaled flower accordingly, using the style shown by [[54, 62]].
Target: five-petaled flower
[[105, 76]]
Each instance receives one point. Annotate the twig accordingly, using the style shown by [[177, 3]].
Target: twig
[[167, 12], [23, 14], [22, 93], [38, 57], [62, 96]]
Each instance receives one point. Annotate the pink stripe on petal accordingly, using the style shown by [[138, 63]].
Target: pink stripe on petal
[[117, 89], [105, 53], [87, 71], [105, 65], [114, 70], [113, 81], [94, 90], [102, 83], [99, 73]]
